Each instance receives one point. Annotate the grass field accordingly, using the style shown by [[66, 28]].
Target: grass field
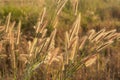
[[59, 39]]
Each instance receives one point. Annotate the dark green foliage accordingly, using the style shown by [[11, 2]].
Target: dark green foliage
[[28, 15]]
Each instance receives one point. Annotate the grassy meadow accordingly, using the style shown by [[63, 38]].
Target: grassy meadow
[[59, 39]]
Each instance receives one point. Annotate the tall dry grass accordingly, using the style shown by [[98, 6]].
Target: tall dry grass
[[43, 52], [41, 58]]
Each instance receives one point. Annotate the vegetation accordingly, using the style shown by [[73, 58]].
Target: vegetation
[[60, 40]]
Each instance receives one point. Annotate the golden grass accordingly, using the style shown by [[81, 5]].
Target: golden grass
[[43, 54], [43, 50]]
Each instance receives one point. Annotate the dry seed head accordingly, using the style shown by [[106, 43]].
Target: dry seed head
[[19, 30], [99, 38], [13, 58], [78, 23], [41, 21], [76, 7], [111, 36], [11, 35], [8, 22], [33, 46], [51, 56], [42, 45], [91, 33], [76, 26], [74, 49], [12, 41], [53, 34], [83, 42], [61, 7], [55, 22], [36, 52], [44, 33], [59, 58], [29, 45], [38, 26], [67, 39], [112, 31], [99, 35], [114, 36], [104, 45], [11, 28], [43, 15], [72, 34], [109, 33], [52, 40], [72, 42], [47, 43], [52, 45], [91, 60], [43, 27]]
